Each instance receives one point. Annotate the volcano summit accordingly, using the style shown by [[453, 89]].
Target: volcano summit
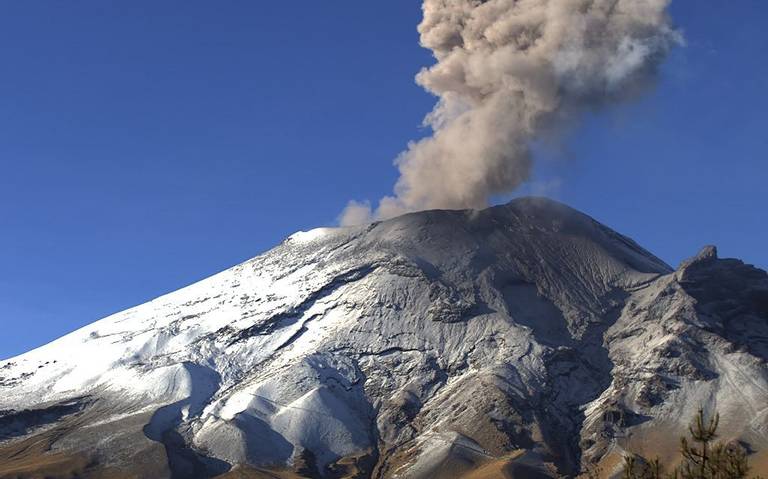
[[523, 339]]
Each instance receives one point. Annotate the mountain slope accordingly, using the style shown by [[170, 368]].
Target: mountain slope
[[525, 337]]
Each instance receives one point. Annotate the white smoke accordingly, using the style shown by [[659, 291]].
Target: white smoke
[[506, 72]]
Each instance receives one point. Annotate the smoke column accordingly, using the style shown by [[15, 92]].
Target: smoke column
[[506, 71]]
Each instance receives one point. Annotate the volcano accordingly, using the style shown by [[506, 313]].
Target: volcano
[[523, 340]]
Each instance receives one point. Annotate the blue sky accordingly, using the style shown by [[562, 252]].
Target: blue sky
[[146, 145]]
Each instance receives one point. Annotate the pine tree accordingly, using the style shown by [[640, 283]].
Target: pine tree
[[637, 467], [703, 458], [729, 462], [697, 462]]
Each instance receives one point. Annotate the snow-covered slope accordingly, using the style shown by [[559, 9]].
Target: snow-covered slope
[[424, 346]]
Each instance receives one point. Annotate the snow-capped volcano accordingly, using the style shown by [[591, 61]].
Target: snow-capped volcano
[[524, 337]]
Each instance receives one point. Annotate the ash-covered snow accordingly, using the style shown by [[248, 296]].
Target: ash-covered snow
[[525, 326]]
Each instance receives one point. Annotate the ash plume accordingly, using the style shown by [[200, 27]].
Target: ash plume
[[507, 72]]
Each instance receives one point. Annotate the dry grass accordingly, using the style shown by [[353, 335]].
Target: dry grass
[[247, 472], [32, 459], [758, 464], [497, 469]]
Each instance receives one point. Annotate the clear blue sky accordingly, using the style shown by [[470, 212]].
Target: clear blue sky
[[145, 145]]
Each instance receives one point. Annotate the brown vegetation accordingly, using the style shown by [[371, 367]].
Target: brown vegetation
[[32, 458]]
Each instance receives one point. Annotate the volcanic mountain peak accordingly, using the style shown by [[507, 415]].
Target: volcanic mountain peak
[[522, 336]]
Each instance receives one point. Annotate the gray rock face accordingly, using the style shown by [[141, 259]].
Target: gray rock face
[[424, 346]]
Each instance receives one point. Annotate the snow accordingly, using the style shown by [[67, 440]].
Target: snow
[[401, 333], [311, 235]]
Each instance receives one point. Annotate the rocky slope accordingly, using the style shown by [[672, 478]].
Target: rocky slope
[[525, 339]]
